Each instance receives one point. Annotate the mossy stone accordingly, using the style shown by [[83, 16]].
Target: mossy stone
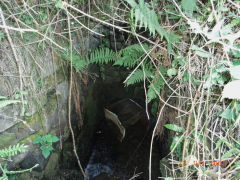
[[34, 120], [51, 105], [52, 167], [31, 137], [6, 139], [26, 176]]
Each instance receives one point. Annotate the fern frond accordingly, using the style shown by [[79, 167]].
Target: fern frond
[[131, 55], [128, 61], [155, 86], [4, 103], [12, 150], [77, 61], [102, 55], [138, 76], [153, 90], [151, 94], [132, 49], [147, 18]]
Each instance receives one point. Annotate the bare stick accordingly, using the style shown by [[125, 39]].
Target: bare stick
[[69, 102], [112, 25], [189, 120]]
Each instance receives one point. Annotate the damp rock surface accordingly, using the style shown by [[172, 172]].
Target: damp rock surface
[[116, 159]]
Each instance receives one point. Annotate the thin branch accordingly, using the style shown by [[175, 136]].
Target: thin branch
[[69, 102], [18, 29], [112, 25]]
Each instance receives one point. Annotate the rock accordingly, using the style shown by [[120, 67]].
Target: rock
[[6, 139], [34, 157], [105, 176], [26, 176], [52, 167], [7, 121]]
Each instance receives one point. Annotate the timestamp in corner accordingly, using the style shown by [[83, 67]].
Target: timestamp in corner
[[203, 163]]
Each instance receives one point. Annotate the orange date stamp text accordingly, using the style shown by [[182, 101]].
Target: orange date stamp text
[[203, 163]]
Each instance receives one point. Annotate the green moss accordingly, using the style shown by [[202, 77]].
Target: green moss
[[51, 169], [6, 139], [30, 138], [35, 119], [49, 81], [67, 146], [26, 176], [51, 104], [66, 133]]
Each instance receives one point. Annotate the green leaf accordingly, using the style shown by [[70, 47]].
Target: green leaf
[[17, 96], [27, 114], [168, 178], [38, 139], [188, 5], [235, 71], [221, 68], [227, 114], [238, 107], [59, 5], [221, 80], [48, 138], [218, 144], [55, 139], [236, 62], [230, 153], [4, 103], [146, 17], [45, 151], [175, 140], [223, 140], [3, 97], [236, 165], [151, 94], [201, 52], [174, 127], [171, 72], [102, 55], [185, 77], [132, 3], [235, 53], [227, 155], [138, 76], [28, 21], [12, 150], [155, 87], [78, 62]]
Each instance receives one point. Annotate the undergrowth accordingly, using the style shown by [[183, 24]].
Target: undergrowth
[[187, 58], [7, 154]]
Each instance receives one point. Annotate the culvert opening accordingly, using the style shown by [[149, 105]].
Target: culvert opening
[[104, 151]]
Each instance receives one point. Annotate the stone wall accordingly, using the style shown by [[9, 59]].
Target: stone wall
[[45, 93], [45, 88]]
